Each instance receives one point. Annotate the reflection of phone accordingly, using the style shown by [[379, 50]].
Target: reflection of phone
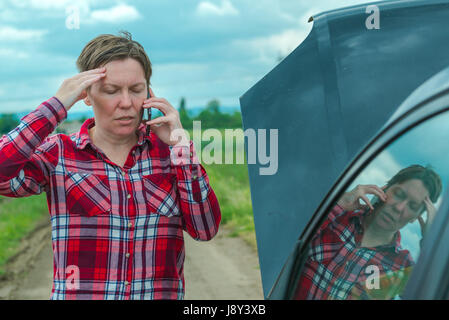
[[375, 202], [148, 113]]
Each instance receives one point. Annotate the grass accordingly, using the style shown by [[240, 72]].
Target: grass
[[17, 218], [231, 185]]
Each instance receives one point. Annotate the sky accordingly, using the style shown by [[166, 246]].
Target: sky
[[200, 50]]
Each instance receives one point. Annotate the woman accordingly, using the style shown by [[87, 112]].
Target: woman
[[119, 199]]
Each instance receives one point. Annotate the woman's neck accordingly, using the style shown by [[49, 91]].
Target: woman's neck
[[107, 142]]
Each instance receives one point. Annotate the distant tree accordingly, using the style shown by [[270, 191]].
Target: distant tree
[[184, 115], [213, 106], [236, 120], [212, 117], [8, 121]]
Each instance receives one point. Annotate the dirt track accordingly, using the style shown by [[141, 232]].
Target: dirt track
[[223, 268]]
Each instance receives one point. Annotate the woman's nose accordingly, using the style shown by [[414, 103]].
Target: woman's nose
[[125, 100], [400, 206]]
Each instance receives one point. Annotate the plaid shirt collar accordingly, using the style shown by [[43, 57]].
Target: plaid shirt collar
[[358, 218], [82, 138]]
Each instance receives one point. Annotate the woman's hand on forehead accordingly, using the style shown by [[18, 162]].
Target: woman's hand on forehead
[[74, 89]]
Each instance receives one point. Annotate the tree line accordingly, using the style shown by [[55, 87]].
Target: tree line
[[8, 121], [210, 117]]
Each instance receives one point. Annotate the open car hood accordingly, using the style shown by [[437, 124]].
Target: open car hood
[[327, 99]]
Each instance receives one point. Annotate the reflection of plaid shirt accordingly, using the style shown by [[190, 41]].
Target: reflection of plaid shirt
[[339, 268], [121, 228]]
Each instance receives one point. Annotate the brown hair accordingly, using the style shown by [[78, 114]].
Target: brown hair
[[427, 175], [108, 47]]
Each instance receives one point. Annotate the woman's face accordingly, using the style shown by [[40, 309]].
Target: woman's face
[[117, 99], [405, 202]]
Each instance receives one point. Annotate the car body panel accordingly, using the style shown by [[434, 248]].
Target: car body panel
[[328, 99]]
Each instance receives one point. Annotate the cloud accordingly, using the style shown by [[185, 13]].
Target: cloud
[[51, 4], [8, 33], [8, 53], [207, 8], [378, 172], [119, 13], [282, 43]]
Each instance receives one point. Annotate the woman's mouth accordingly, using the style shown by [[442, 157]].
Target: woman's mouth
[[388, 217], [125, 120]]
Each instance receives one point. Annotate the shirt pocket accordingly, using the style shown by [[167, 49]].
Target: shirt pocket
[[160, 194], [87, 194]]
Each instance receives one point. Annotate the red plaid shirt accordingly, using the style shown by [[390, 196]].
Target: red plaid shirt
[[117, 233], [339, 268]]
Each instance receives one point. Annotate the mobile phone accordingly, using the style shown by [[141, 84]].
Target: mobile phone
[[374, 201], [148, 113]]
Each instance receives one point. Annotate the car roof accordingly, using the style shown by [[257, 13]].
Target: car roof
[[327, 100]]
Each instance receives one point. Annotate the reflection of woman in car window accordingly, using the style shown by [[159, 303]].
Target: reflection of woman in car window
[[356, 253]]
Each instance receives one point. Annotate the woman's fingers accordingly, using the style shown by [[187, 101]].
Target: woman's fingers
[[158, 105], [159, 120], [373, 189], [151, 92], [422, 223], [90, 79], [89, 72]]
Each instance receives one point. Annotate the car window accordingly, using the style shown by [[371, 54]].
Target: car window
[[371, 238]]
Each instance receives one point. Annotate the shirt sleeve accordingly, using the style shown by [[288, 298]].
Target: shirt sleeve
[[198, 203], [23, 167]]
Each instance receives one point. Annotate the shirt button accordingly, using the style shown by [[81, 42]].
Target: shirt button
[[127, 255], [130, 225], [128, 196], [126, 283], [194, 177]]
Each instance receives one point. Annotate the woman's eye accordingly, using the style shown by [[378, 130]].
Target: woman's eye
[[399, 194]]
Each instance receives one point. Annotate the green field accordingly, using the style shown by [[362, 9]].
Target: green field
[[229, 182], [17, 218], [231, 185]]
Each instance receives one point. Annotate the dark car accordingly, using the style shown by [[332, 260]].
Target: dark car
[[352, 106]]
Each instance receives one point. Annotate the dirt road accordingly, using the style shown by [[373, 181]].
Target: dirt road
[[223, 268]]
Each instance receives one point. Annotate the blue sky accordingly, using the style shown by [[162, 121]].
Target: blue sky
[[200, 50]]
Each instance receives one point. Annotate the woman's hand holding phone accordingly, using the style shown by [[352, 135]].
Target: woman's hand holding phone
[[350, 201], [167, 127]]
